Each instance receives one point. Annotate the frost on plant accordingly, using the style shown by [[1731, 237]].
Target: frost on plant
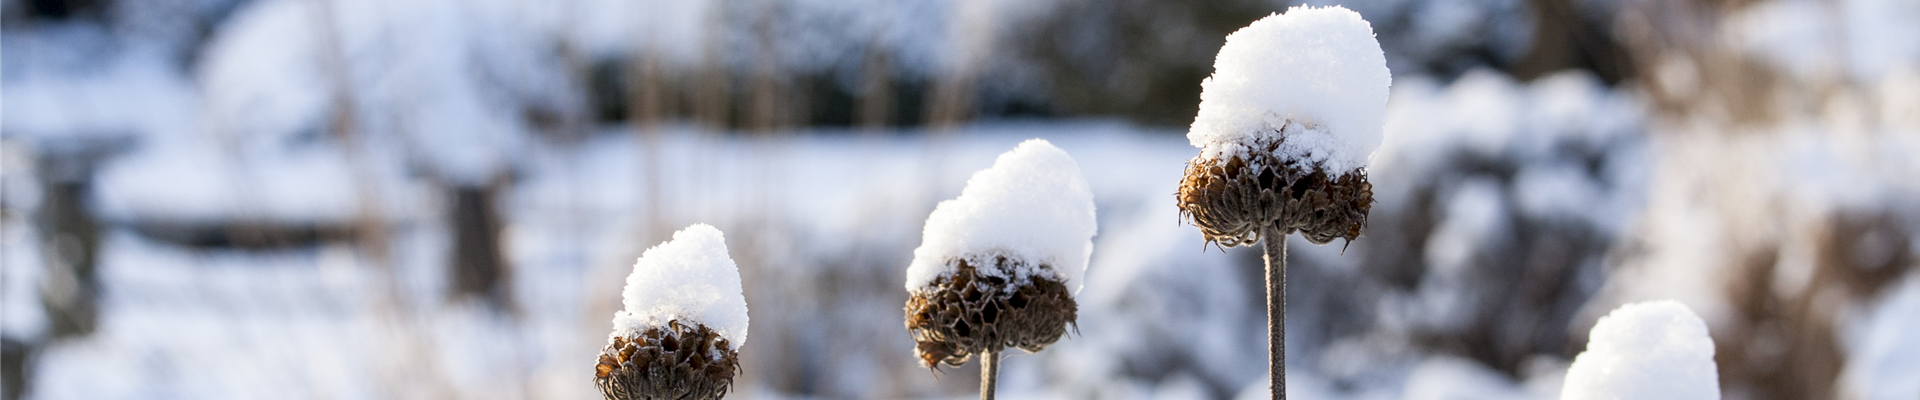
[[684, 322], [999, 265]]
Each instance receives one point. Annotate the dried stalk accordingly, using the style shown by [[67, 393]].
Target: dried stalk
[[989, 373], [1276, 260]]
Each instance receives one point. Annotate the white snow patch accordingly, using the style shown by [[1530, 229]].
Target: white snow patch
[[677, 32], [191, 181], [1880, 37], [79, 88], [454, 82], [1559, 189], [1788, 34], [1031, 205], [1650, 350], [1317, 72], [1454, 378], [263, 77], [1864, 40], [689, 278], [1900, 100], [1883, 357]]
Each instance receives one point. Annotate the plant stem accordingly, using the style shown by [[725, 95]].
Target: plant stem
[[1276, 259], [989, 372]]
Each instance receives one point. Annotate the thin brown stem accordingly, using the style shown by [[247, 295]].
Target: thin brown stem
[[989, 373], [1276, 260]]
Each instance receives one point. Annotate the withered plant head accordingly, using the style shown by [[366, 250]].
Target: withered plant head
[[680, 361], [970, 312], [1231, 198]]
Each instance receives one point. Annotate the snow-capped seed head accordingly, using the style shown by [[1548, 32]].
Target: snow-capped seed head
[[1287, 122], [975, 309], [690, 279], [1655, 350], [999, 264], [1232, 200], [685, 317], [1317, 68], [678, 361], [1032, 206]]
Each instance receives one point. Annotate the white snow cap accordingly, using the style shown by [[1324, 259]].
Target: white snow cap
[[689, 278], [1319, 70], [1031, 205], [1657, 350]]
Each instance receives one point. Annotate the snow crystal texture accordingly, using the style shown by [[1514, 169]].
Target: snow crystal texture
[[1656, 350], [1031, 205], [689, 278], [1318, 69]]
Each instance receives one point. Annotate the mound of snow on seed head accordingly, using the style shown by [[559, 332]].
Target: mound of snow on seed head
[[1317, 72], [689, 278], [1656, 350], [1031, 205]]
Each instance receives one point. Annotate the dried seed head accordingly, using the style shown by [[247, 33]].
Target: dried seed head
[[680, 361], [970, 312], [1232, 197]]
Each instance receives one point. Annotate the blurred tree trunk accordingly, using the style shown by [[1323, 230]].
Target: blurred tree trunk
[[713, 93], [769, 101], [648, 109], [479, 269], [70, 240], [15, 356], [875, 112]]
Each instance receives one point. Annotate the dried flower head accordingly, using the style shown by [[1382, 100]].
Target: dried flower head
[[1232, 196], [679, 361], [972, 311]]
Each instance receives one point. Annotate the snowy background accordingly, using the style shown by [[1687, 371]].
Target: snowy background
[[242, 199]]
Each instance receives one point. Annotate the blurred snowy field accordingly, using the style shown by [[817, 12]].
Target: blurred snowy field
[[823, 222], [822, 226], [1758, 165]]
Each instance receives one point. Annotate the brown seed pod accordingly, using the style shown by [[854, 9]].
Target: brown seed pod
[[1231, 199], [681, 361], [967, 312]]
